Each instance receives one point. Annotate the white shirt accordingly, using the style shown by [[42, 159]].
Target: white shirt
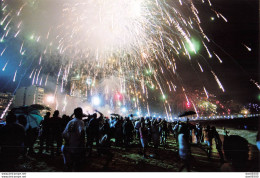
[[74, 134], [183, 147]]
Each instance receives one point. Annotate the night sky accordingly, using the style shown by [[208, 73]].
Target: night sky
[[239, 65]]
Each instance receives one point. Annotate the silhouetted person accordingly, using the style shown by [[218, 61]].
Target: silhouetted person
[[74, 136], [22, 120], [198, 133], [12, 137], [144, 138], [128, 129], [137, 131], [105, 129], [236, 152], [208, 140], [30, 139], [218, 143], [184, 147], [64, 121], [176, 130], [119, 136], [56, 132], [164, 133], [45, 133], [104, 149], [93, 133], [137, 125], [155, 136]]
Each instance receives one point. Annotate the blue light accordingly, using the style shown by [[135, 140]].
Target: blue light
[[124, 110], [96, 101]]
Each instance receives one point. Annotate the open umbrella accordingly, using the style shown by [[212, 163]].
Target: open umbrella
[[31, 114], [113, 114], [131, 115], [40, 107], [187, 113]]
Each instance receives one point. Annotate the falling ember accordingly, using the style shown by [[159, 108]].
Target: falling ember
[[210, 56], [7, 108], [41, 81], [219, 83], [38, 75], [40, 60], [46, 80], [200, 67], [5, 66], [218, 57], [256, 83], [3, 51], [206, 92], [31, 73], [248, 48], [195, 109], [34, 76], [21, 61], [14, 76], [17, 33], [223, 17]]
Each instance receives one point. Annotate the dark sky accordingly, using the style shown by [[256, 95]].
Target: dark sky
[[243, 28], [239, 65]]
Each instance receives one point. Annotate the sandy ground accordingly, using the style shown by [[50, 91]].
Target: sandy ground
[[131, 161]]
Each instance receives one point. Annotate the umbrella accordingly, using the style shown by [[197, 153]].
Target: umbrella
[[187, 113], [131, 115], [31, 114], [113, 114], [40, 107]]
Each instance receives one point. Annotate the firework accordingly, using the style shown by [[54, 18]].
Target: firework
[[131, 47]]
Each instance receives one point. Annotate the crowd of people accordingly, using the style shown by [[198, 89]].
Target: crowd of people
[[74, 137]]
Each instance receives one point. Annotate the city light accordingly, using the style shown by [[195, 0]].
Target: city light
[[96, 101], [50, 99], [124, 110]]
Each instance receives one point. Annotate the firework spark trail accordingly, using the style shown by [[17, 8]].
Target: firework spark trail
[[38, 76], [6, 109], [206, 92], [201, 69], [34, 76], [248, 48], [5, 66], [218, 57], [123, 35], [14, 76], [31, 73], [256, 83], [3, 51], [218, 81], [41, 81]]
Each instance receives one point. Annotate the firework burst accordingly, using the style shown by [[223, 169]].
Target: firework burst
[[139, 42]]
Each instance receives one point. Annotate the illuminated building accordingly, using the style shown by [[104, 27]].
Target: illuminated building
[[26, 96], [4, 100]]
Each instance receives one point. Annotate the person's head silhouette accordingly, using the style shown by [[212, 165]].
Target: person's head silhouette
[[78, 113]]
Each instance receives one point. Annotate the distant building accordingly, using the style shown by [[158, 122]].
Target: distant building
[[26, 96], [4, 101], [20, 97]]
